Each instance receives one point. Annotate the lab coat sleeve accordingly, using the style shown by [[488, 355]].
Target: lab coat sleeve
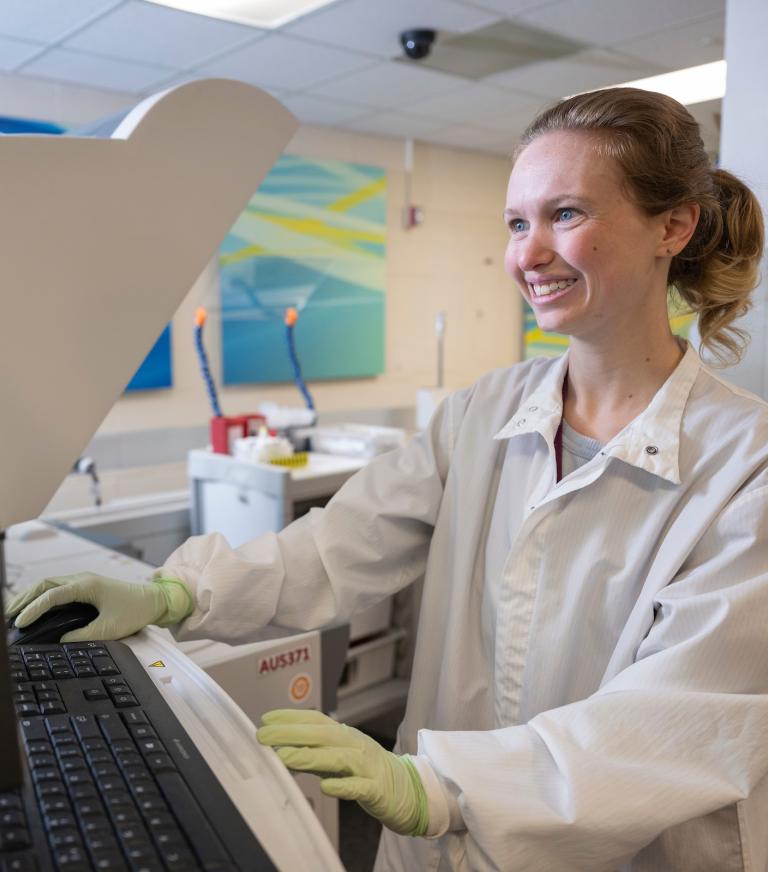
[[681, 732], [370, 541]]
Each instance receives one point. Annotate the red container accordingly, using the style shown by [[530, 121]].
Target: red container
[[225, 430]]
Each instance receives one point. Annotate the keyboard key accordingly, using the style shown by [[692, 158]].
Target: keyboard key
[[40, 775], [61, 822], [14, 839], [27, 709], [112, 727], [126, 815], [55, 805], [80, 778], [177, 860], [96, 758], [12, 818], [105, 666], [50, 789], [70, 859], [142, 731], [64, 838], [102, 841], [33, 730], [86, 727], [23, 863], [95, 693], [41, 761], [52, 708], [160, 763], [111, 861], [58, 725], [62, 672], [124, 700], [68, 752], [134, 718], [9, 801], [81, 792]]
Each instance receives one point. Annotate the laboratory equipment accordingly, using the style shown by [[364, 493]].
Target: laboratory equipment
[[129, 224]]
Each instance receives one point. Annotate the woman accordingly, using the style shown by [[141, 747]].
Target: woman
[[590, 677]]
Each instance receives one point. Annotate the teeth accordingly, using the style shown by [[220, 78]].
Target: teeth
[[542, 289]]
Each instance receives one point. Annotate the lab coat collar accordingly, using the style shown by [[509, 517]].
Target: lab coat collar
[[651, 441]]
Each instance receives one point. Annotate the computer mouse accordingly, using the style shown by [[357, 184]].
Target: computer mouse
[[52, 625]]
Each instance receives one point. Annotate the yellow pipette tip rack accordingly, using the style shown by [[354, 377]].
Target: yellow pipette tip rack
[[301, 458]]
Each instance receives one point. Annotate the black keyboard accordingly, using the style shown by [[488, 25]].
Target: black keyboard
[[112, 782]]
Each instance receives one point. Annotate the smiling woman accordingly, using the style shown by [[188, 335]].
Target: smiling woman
[[589, 690]]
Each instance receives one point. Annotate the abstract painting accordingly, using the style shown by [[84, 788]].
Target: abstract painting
[[313, 238]]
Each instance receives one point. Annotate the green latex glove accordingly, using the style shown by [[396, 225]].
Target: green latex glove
[[352, 766], [124, 607]]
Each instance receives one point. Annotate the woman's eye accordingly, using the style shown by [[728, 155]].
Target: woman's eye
[[566, 214], [518, 225]]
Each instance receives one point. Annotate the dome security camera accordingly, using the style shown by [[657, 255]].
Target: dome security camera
[[417, 43]]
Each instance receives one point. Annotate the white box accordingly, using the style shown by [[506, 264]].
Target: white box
[[371, 621], [369, 663]]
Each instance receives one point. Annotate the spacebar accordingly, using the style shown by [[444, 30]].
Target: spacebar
[[197, 829]]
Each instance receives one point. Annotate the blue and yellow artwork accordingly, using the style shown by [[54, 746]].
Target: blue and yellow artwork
[[313, 237]]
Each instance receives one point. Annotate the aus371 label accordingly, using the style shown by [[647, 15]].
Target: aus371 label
[[282, 661]]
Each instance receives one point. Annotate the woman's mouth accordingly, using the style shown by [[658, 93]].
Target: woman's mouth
[[545, 292]]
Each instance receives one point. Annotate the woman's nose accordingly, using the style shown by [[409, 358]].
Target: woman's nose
[[533, 251]]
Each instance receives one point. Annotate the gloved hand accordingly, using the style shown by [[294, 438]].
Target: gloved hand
[[385, 785], [124, 607]]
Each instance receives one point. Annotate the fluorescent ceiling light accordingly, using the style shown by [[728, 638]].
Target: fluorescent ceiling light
[[688, 86], [257, 13]]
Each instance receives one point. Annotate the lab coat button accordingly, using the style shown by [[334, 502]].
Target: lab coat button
[[533, 408], [521, 422], [651, 449]]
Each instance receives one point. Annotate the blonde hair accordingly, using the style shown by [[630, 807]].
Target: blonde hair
[[657, 144]]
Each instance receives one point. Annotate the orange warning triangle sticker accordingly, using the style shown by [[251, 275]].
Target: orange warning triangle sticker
[[158, 663]]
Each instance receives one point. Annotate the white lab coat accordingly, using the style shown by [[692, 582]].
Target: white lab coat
[[591, 667]]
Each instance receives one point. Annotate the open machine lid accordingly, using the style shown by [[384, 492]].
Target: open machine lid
[[100, 240]]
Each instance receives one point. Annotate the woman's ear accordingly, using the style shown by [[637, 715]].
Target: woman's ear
[[679, 225]]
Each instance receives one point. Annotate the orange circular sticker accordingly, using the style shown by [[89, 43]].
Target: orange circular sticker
[[300, 687]]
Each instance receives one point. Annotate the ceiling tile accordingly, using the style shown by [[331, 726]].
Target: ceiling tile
[[313, 110], [155, 35], [15, 51], [582, 71], [64, 65], [48, 20], [395, 124], [374, 26], [492, 108], [287, 63], [606, 22], [678, 47], [389, 85]]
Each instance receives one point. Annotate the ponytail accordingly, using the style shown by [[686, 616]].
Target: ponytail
[[717, 271]]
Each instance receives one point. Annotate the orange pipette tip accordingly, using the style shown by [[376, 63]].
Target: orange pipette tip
[[200, 316], [291, 317]]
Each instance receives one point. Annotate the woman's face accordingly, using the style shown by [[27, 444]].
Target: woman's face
[[587, 259]]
